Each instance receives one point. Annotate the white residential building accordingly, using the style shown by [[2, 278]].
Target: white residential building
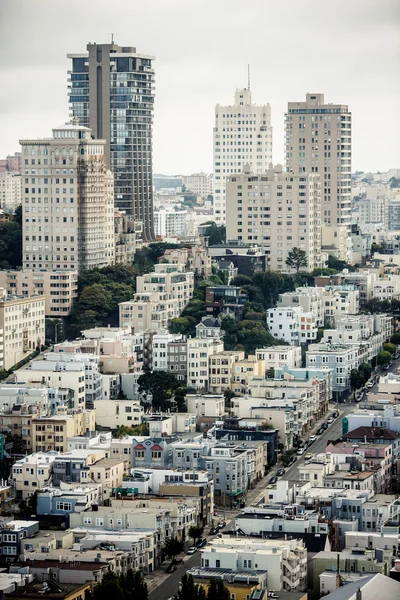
[[221, 373], [285, 560], [388, 418], [278, 210], [310, 299], [169, 222], [199, 183], [393, 214], [242, 135], [22, 326], [340, 300], [60, 288], [10, 191], [199, 350], [206, 405], [276, 357], [160, 342], [292, 325], [318, 140], [340, 358], [160, 297], [67, 201], [32, 473], [386, 288], [116, 413]]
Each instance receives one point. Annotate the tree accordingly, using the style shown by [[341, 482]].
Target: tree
[[217, 590], [195, 532], [337, 264], [216, 234], [241, 280], [129, 586], [376, 248], [296, 259], [184, 325], [173, 546], [395, 339], [188, 590], [356, 379], [365, 369], [160, 384], [228, 395], [390, 348], [11, 242], [384, 358]]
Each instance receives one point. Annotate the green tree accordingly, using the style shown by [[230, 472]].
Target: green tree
[[217, 590], [195, 532], [390, 348], [183, 325], [241, 280], [376, 248], [216, 234], [161, 385], [228, 395], [11, 241], [173, 546], [188, 590], [384, 358], [296, 259], [395, 339], [356, 379], [365, 369]]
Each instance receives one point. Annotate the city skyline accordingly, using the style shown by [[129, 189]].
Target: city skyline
[[333, 56]]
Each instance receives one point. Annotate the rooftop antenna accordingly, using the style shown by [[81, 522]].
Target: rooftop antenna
[[112, 38], [248, 77]]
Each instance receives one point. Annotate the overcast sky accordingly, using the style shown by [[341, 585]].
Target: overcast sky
[[347, 49]]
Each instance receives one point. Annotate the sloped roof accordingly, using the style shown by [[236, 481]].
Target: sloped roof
[[372, 432]]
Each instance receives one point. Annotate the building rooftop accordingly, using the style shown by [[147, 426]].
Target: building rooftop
[[372, 432], [372, 587], [50, 589]]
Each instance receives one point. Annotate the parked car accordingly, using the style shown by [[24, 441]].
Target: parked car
[[292, 460], [272, 480], [300, 451], [192, 550], [335, 414], [330, 420], [320, 431], [221, 524], [312, 438], [324, 426], [280, 472], [308, 456], [213, 530], [200, 543]]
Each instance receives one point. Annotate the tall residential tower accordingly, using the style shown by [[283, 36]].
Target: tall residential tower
[[242, 135], [67, 201], [318, 140], [112, 92]]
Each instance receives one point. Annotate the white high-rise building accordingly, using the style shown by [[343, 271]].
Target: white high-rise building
[[67, 201], [279, 211], [199, 183], [242, 135], [318, 140], [10, 191]]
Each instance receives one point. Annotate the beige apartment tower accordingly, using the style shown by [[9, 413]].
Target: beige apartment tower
[[318, 140], [278, 211], [242, 135], [67, 201]]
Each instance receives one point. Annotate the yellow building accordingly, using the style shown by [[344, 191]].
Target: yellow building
[[51, 433], [109, 472]]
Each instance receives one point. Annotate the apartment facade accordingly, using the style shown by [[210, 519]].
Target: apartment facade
[[221, 370], [242, 135], [60, 288], [276, 357], [22, 322], [200, 184], [10, 191], [161, 296], [67, 201], [292, 325], [318, 140], [31, 473], [52, 433], [112, 92], [199, 350], [278, 210]]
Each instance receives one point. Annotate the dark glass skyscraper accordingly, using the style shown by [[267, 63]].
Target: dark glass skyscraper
[[111, 90]]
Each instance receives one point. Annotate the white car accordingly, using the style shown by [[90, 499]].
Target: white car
[[192, 550], [300, 451], [313, 438], [330, 420]]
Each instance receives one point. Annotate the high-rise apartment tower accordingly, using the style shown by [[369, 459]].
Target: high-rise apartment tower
[[67, 201], [318, 140], [242, 135], [112, 92]]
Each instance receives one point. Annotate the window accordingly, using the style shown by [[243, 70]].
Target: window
[[99, 522], [67, 506]]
